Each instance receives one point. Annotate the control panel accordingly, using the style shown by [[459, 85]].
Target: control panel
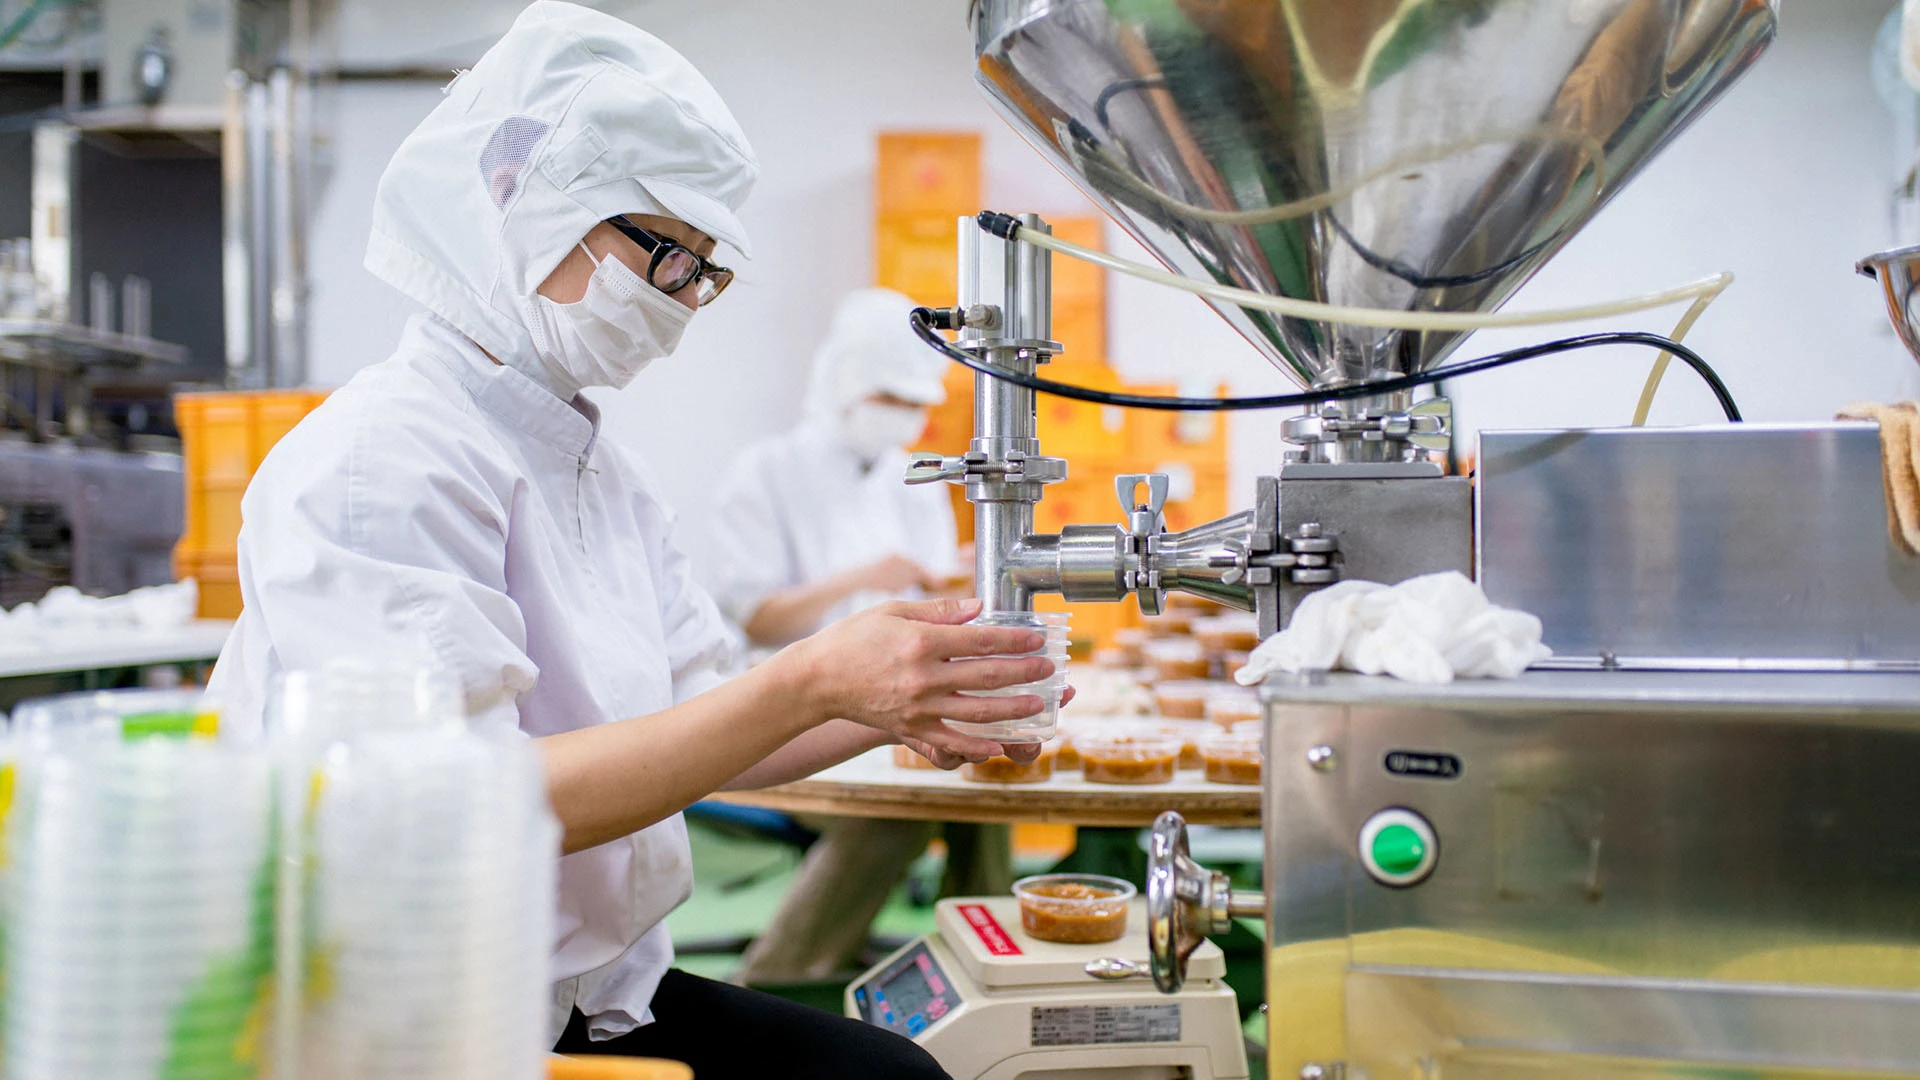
[[908, 995]]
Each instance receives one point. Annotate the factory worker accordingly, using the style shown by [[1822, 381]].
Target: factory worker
[[816, 523], [813, 525], [557, 217]]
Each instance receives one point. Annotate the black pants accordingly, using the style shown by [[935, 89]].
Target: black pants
[[725, 1031]]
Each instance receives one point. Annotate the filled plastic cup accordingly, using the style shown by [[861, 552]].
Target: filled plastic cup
[[1074, 909], [1041, 726], [1229, 705], [1128, 754], [1232, 757]]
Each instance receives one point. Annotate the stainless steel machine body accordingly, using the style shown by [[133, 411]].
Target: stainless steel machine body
[[1630, 874], [1747, 546], [1647, 872]]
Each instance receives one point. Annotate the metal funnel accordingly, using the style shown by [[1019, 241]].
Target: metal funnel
[[1405, 154]]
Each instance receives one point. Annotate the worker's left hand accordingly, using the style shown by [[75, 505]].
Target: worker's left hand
[[1020, 752]]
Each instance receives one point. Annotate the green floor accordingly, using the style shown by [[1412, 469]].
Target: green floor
[[738, 883]]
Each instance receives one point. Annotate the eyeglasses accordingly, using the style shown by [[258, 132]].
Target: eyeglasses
[[674, 266]]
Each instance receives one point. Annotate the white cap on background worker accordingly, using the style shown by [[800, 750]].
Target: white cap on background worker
[[872, 379]]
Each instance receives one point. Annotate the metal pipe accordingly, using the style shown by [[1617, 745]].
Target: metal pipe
[[1003, 414], [236, 277]]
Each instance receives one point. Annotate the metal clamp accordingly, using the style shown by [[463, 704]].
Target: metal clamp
[[1015, 468], [1145, 520], [933, 468], [1307, 560], [1428, 425]]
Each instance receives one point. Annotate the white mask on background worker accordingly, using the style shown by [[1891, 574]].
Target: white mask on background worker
[[872, 379], [882, 424]]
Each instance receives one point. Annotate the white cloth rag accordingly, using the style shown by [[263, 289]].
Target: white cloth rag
[[1430, 629], [65, 608]]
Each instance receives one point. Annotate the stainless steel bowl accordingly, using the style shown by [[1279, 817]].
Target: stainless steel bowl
[[1898, 271]]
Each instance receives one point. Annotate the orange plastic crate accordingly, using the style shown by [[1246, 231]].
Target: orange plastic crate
[[223, 438], [928, 172], [219, 578], [919, 256]]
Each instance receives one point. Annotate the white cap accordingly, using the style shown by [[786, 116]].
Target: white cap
[[571, 118], [871, 349]]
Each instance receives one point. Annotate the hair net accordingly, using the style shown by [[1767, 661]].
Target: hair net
[[870, 349], [571, 118]]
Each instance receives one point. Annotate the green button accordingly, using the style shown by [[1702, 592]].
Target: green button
[[1398, 849]]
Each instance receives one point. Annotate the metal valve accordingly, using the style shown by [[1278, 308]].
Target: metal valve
[[1185, 903], [1145, 521]]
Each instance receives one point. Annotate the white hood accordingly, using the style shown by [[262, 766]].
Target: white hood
[[870, 349], [571, 118]]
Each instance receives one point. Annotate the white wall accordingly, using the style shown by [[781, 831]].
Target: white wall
[[1786, 184]]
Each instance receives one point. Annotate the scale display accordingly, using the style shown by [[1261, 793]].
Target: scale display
[[909, 995]]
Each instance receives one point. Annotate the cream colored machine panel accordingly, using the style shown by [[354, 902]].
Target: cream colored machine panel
[[991, 1003]]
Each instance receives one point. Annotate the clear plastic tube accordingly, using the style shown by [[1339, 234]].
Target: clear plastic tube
[[1702, 292]]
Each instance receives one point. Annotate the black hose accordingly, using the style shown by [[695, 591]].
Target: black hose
[[925, 321]]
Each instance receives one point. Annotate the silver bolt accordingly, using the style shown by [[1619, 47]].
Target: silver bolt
[[1323, 759], [1309, 530], [1312, 1072]]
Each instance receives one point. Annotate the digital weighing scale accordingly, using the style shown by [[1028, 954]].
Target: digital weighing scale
[[991, 1003]]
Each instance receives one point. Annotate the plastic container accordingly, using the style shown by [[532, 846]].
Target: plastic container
[[1181, 658], [1190, 733], [1003, 770], [1229, 705], [1128, 754], [432, 905], [1041, 726], [1132, 641], [115, 715], [1108, 692], [1232, 757], [1074, 909], [1184, 699], [139, 940], [1221, 634], [905, 757]]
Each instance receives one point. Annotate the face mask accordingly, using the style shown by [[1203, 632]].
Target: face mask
[[874, 429], [612, 333]]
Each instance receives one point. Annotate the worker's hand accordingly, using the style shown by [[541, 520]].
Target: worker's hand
[[895, 574], [1024, 753], [892, 668]]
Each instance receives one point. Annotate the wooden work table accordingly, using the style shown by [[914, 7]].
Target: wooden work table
[[871, 785]]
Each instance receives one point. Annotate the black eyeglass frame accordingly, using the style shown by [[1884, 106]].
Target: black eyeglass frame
[[661, 247]]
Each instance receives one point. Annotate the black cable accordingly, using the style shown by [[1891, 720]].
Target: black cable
[[927, 322]]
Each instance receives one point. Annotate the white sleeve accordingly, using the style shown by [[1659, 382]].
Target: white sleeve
[[750, 554], [397, 554]]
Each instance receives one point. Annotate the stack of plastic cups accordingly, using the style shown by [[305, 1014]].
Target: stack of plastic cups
[[433, 856], [139, 913], [1040, 727]]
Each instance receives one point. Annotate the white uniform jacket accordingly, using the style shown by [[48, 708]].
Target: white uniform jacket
[[444, 509]]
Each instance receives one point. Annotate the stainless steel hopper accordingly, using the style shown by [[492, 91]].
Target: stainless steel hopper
[[1420, 155]]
